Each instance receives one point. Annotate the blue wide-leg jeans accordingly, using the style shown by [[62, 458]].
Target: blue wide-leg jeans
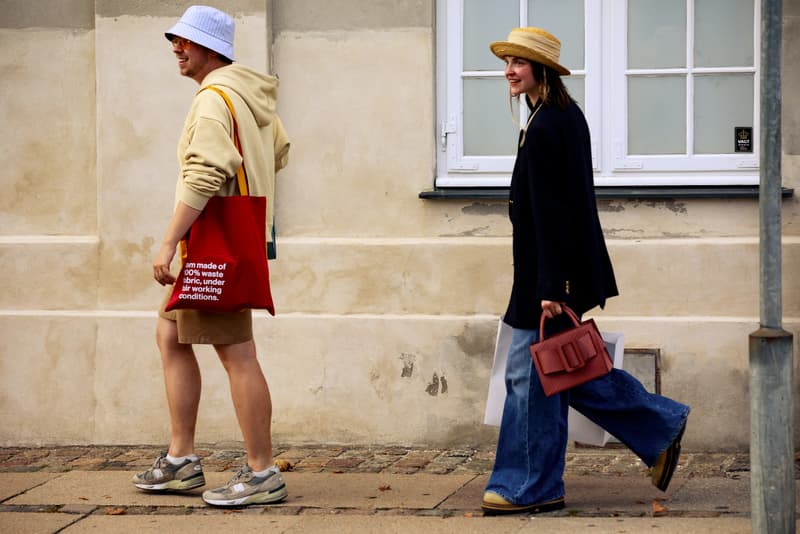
[[529, 464]]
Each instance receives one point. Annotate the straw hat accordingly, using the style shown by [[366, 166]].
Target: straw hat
[[206, 26], [534, 44]]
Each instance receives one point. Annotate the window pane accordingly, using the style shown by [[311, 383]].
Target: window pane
[[656, 34], [565, 20], [489, 129], [721, 102], [577, 89], [657, 115], [485, 22], [723, 35]]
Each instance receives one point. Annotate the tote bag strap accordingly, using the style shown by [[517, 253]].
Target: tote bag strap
[[241, 176]]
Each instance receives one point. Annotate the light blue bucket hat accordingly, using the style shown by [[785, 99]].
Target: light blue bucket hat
[[206, 26]]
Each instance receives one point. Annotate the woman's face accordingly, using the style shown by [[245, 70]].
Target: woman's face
[[519, 73]]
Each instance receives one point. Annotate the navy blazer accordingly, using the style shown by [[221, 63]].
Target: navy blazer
[[558, 246]]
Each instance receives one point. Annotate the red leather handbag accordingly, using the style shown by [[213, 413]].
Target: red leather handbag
[[570, 358], [225, 256]]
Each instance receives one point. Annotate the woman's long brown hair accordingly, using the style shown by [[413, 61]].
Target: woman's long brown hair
[[551, 88]]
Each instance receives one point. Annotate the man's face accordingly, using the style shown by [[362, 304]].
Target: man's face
[[193, 59]]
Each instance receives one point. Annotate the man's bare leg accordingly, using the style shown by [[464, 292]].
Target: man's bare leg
[[183, 384], [251, 400]]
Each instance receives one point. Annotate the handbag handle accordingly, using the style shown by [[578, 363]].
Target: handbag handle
[[572, 315], [241, 177]]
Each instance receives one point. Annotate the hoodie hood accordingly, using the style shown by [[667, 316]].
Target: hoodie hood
[[259, 91]]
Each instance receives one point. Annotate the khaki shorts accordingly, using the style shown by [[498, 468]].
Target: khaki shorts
[[209, 328]]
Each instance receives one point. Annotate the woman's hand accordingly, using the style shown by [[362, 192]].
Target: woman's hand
[[551, 308]]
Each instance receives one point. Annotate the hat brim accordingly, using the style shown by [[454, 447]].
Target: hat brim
[[503, 49], [191, 33]]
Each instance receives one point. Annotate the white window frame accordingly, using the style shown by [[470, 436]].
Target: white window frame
[[605, 72]]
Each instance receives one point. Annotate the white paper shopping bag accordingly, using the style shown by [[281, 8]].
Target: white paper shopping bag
[[580, 428], [497, 383]]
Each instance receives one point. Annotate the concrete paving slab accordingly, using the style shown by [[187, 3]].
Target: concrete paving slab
[[320, 490], [331, 524], [404, 525], [12, 484], [328, 524], [602, 525], [611, 495], [34, 523], [132, 524], [718, 494], [584, 495], [371, 490], [102, 488], [468, 497]]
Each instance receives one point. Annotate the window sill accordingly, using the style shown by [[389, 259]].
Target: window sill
[[718, 192]]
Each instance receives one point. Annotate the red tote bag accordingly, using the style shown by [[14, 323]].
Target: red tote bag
[[225, 265]]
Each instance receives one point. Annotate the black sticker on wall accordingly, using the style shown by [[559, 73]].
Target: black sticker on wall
[[743, 139]]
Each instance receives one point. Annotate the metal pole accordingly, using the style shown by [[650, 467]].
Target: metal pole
[[772, 491]]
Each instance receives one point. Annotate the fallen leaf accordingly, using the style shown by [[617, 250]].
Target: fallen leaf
[[115, 511], [83, 498], [284, 465], [231, 512], [659, 509], [385, 487]]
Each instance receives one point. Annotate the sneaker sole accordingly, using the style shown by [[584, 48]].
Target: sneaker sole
[[174, 485], [266, 497]]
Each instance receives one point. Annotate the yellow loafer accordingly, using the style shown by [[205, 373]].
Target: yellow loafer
[[494, 504], [666, 463]]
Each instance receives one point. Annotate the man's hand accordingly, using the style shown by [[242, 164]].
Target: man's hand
[[181, 221], [161, 264]]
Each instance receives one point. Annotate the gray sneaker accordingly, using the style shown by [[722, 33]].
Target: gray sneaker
[[164, 476], [246, 488]]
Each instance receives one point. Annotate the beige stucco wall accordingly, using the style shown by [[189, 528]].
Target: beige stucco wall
[[387, 304]]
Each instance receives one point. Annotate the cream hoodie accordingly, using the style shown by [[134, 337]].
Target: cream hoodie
[[207, 156]]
